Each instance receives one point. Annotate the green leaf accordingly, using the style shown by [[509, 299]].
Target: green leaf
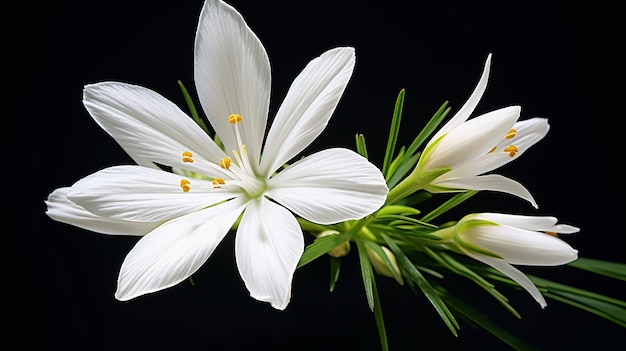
[[469, 313], [609, 269], [424, 285], [404, 165], [192, 108], [430, 127], [366, 272], [321, 246], [361, 149], [378, 316], [335, 267], [448, 205], [393, 132]]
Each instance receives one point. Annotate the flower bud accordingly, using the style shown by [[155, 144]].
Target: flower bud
[[339, 250], [381, 268]]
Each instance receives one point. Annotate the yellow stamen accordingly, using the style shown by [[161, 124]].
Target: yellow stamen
[[552, 233], [184, 184], [511, 149], [511, 133], [217, 182], [225, 162], [187, 157], [492, 149], [234, 118]]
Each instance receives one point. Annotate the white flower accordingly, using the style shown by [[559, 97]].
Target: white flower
[[191, 215], [516, 239], [462, 150]]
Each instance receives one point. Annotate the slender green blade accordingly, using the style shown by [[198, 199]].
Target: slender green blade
[[430, 127], [192, 108], [448, 205], [469, 313], [424, 285], [609, 269], [321, 246], [378, 317], [366, 272], [393, 132], [335, 268], [361, 149]]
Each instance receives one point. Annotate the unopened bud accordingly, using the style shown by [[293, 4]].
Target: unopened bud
[[381, 268], [339, 250]]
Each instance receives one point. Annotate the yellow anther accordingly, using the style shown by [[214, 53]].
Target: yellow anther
[[552, 233], [511, 133], [184, 184], [217, 182], [511, 149], [187, 157], [492, 149], [234, 118], [225, 162]]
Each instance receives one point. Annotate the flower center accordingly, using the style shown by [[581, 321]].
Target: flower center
[[511, 149], [241, 172]]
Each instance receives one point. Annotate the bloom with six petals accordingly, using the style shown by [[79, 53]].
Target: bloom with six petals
[[182, 218]]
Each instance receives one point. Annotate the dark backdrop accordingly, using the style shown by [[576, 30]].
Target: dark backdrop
[[555, 60]]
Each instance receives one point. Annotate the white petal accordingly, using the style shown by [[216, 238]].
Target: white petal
[[514, 274], [136, 193], [537, 223], [149, 127], [61, 209], [175, 250], [232, 75], [464, 112], [308, 106], [529, 132], [520, 246], [268, 246], [330, 186], [472, 139], [491, 182]]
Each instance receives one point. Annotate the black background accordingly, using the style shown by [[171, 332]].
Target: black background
[[556, 60]]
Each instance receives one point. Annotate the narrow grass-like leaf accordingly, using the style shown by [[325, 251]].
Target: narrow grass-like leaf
[[366, 272], [192, 108], [378, 317], [424, 285], [361, 149], [430, 127], [335, 267], [402, 169], [393, 132], [469, 313], [321, 246], [448, 205], [603, 309], [609, 269]]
